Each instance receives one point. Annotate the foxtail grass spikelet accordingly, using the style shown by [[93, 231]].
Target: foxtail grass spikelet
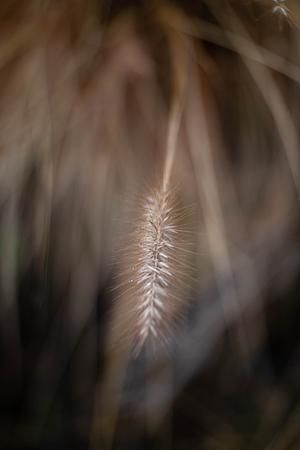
[[158, 267]]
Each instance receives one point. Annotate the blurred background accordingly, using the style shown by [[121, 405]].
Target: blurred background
[[87, 90]]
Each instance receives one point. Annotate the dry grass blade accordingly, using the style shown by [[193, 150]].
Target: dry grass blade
[[274, 100], [155, 265]]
